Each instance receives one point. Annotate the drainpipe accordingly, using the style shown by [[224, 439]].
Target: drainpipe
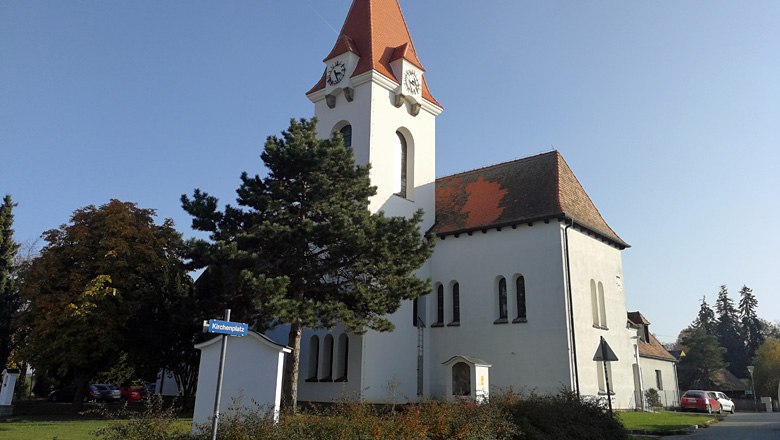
[[571, 307]]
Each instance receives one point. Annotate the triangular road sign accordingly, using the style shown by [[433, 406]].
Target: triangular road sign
[[604, 352]]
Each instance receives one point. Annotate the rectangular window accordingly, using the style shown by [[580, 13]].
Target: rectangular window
[[659, 381], [600, 376]]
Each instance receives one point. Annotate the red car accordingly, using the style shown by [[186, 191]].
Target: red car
[[698, 400], [133, 393]]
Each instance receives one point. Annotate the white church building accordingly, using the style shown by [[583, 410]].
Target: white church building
[[526, 275]]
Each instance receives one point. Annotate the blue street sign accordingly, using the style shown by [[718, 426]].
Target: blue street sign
[[227, 327]]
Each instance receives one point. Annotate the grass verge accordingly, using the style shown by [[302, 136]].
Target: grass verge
[[43, 428], [663, 421]]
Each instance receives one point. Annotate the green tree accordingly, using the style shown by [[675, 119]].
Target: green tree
[[303, 249], [728, 333], [767, 373], [706, 318], [703, 358], [9, 297], [750, 322], [103, 285]]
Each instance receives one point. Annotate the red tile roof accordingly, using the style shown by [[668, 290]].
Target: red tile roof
[[526, 190], [652, 348], [377, 32]]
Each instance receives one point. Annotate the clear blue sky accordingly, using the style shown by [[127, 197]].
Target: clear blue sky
[[668, 112]]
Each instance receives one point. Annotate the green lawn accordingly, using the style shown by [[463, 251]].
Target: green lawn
[[41, 428], [662, 421]]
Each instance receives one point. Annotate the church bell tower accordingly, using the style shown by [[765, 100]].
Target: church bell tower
[[373, 90]]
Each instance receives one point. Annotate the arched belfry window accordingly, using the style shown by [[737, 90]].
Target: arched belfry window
[[520, 294], [346, 133], [401, 164], [502, 309]]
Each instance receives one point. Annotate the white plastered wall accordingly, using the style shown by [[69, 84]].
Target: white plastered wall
[[593, 259], [525, 356], [669, 394]]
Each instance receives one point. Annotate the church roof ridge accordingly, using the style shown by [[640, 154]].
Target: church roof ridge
[[500, 164], [525, 190], [377, 29]]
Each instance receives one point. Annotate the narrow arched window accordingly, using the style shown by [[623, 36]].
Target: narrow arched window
[[401, 164], [502, 310], [439, 306], [594, 304], [455, 304], [314, 358], [520, 292], [346, 133], [602, 307], [343, 358], [327, 364]]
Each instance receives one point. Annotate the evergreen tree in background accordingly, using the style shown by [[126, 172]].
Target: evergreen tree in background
[[728, 333], [750, 322], [9, 297], [703, 359], [706, 318], [303, 249]]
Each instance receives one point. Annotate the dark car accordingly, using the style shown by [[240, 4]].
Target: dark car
[[698, 400], [95, 393], [67, 393], [106, 393]]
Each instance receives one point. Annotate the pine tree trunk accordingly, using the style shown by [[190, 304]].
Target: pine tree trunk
[[292, 367]]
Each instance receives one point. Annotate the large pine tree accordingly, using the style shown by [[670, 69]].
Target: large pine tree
[[303, 249], [728, 333], [9, 297], [751, 325]]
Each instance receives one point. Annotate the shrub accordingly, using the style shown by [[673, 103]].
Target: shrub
[[653, 399], [562, 417], [156, 422]]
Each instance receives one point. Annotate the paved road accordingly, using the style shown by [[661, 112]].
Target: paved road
[[739, 426]]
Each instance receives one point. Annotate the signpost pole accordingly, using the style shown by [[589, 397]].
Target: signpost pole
[[606, 373], [215, 422]]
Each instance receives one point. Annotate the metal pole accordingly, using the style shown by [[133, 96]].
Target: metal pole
[[215, 421], [750, 369], [606, 373]]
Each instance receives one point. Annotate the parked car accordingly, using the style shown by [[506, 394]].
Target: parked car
[[133, 393], [699, 400], [725, 402], [106, 393], [67, 393]]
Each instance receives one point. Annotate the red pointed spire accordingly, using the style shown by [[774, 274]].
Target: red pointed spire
[[376, 31]]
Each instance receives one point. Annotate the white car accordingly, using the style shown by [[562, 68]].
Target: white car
[[725, 402]]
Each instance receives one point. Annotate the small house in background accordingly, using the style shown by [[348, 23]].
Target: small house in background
[[252, 376], [658, 367]]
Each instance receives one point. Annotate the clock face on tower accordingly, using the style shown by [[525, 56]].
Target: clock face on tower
[[335, 73], [412, 82]]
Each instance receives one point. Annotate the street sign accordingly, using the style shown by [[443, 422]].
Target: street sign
[[605, 353], [225, 327]]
